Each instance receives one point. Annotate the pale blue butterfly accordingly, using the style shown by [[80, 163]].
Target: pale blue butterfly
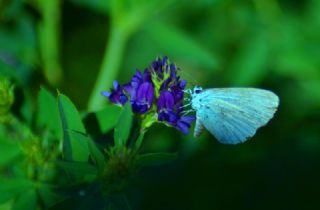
[[232, 115]]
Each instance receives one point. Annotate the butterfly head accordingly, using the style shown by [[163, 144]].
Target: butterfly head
[[195, 99], [197, 90]]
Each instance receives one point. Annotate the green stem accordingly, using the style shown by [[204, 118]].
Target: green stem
[[110, 66], [123, 24], [49, 31]]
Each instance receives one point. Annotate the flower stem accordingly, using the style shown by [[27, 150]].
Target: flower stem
[[110, 66], [48, 30]]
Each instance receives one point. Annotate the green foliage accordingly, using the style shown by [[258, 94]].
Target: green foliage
[[26, 200], [9, 151], [48, 109], [75, 146], [178, 44], [123, 127], [108, 117], [18, 55], [11, 188], [53, 157], [97, 155], [77, 168], [48, 196], [6, 96], [250, 65], [139, 141]]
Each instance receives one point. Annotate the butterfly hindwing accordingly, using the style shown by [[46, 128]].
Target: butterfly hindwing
[[233, 115]]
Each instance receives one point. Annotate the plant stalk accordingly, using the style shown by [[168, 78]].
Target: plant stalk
[[110, 66]]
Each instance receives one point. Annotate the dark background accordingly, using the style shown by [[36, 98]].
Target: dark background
[[272, 44]]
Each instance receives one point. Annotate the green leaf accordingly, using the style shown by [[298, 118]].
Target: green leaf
[[77, 168], [87, 142], [27, 107], [250, 64], [96, 154], [80, 148], [177, 43], [108, 117], [9, 150], [10, 188], [26, 200], [48, 114], [74, 146], [123, 127], [48, 196], [156, 158]]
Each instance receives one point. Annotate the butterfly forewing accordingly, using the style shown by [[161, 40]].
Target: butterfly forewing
[[233, 115]]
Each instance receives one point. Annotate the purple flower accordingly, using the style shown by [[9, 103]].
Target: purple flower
[[177, 88], [161, 67], [141, 91], [169, 110], [160, 85], [137, 79], [116, 96], [143, 98]]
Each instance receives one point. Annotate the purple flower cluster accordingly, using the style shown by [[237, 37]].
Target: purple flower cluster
[[157, 91]]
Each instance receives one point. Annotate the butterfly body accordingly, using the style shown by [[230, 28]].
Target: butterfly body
[[232, 115]]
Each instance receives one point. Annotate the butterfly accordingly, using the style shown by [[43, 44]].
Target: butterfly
[[232, 115]]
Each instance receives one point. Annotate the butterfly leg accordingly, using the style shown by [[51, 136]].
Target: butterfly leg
[[198, 128], [184, 113]]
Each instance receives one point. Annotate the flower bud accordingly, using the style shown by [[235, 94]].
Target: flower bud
[[120, 169], [6, 96]]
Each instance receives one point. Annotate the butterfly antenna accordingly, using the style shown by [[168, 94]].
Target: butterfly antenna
[[184, 113], [193, 82], [186, 105]]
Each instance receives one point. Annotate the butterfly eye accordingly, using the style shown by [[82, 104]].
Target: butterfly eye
[[197, 89]]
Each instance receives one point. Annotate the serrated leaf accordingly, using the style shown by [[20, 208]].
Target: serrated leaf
[[47, 106], [156, 158], [74, 147], [123, 127], [108, 117], [177, 43]]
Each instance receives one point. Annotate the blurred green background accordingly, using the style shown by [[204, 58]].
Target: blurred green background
[[271, 44]]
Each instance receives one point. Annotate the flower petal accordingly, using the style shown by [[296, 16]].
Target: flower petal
[[165, 101], [183, 127], [105, 93]]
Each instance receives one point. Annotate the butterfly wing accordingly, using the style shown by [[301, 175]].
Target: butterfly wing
[[233, 115]]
